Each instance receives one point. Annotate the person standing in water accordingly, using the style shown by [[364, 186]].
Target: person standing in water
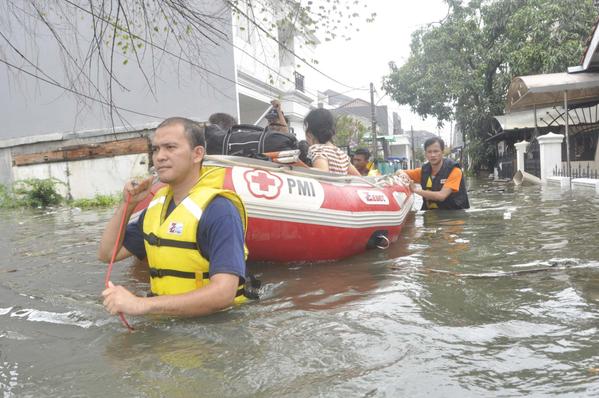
[[441, 179], [192, 232]]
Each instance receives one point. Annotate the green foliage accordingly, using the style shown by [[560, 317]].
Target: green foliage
[[42, 193], [327, 19], [460, 68], [35, 192], [7, 198], [482, 154], [97, 201], [349, 132]]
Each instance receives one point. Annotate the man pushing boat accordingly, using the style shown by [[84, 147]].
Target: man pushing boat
[[441, 179], [192, 232]]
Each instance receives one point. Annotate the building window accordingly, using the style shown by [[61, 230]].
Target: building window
[[299, 81]]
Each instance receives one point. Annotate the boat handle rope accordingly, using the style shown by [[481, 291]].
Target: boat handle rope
[[288, 170], [385, 240], [114, 252]]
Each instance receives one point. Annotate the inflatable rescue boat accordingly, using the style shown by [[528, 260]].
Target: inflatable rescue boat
[[298, 214]]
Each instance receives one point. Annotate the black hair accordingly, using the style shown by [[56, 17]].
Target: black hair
[[321, 124], [304, 147], [222, 120], [194, 131], [364, 152], [432, 140]]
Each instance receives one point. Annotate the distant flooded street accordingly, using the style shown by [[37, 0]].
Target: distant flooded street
[[501, 300]]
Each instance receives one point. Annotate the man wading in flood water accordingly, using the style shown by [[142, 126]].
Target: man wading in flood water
[[192, 232], [441, 179]]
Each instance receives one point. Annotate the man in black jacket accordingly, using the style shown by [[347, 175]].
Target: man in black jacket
[[441, 179]]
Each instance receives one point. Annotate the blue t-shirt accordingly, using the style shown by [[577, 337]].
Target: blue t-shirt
[[219, 235]]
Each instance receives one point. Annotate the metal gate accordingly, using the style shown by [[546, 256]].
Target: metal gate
[[506, 163], [532, 159]]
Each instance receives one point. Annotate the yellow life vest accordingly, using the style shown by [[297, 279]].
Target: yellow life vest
[[176, 264], [372, 170], [374, 173]]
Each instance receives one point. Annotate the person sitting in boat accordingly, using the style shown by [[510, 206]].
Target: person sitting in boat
[[304, 149], [360, 160], [319, 125], [442, 182], [192, 232], [276, 118]]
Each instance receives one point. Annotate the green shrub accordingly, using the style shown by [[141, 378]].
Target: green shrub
[[35, 192], [97, 201], [7, 197]]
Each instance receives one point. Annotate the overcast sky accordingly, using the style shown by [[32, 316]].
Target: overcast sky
[[365, 58]]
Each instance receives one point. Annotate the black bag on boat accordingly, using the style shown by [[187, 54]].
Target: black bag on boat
[[247, 140]]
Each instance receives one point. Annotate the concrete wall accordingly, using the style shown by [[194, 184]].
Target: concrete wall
[[80, 178], [88, 178], [5, 165]]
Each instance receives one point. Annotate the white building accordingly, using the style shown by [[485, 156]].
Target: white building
[[273, 64]]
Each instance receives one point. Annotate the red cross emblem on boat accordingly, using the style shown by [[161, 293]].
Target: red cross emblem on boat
[[263, 184]]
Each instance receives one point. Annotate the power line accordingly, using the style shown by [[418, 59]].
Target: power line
[[208, 70], [151, 44]]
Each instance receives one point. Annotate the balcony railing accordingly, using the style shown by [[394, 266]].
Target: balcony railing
[[299, 81]]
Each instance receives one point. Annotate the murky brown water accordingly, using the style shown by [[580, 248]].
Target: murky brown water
[[449, 311]]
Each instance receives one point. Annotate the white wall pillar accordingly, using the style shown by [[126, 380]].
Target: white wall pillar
[[550, 148], [520, 151]]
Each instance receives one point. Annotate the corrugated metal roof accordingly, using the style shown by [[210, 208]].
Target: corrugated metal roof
[[526, 92]]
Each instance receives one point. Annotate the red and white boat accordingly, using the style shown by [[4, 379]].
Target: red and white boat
[[298, 214]]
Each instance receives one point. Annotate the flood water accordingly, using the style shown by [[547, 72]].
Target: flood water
[[498, 301]]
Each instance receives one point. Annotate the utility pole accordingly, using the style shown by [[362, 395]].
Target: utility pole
[[373, 119], [413, 166]]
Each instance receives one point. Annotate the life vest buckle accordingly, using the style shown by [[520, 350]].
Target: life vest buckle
[[153, 239], [156, 273]]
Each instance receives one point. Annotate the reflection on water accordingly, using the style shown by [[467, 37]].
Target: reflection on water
[[466, 303]]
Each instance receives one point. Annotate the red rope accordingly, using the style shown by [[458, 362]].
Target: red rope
[[114, 251]]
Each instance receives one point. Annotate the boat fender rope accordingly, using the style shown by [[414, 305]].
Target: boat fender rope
[[295, 171]]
